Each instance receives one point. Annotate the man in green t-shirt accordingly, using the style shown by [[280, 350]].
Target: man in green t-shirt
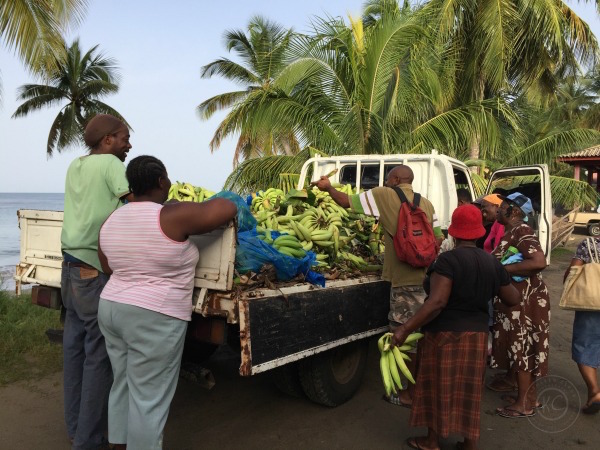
[[95, 186], [407, 294]]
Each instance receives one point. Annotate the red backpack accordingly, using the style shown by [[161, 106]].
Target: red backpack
[[414, 240]]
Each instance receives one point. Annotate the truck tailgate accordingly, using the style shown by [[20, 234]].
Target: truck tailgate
[[40, 256], [304, 320]]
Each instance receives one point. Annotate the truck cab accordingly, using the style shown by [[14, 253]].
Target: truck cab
[[437, 177]]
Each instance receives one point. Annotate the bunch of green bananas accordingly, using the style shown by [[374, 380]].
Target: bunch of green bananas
[[392, 359], [186, 192], [266, 200], [285, 243]]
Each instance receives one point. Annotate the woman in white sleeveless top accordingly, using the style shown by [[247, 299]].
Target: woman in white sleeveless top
[[146, 304]]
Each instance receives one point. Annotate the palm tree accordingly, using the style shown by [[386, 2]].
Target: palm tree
[[81, 81], [356, 90], [33, 29], [394, 87], [263, 51], [509, 47]]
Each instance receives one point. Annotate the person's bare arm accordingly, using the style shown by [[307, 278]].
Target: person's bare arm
[[180, 220], [509, 295], [574, 262], [441, 287], [339, 197], [103, 261]]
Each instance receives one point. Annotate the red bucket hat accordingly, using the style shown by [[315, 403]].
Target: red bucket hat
[[466, 223]]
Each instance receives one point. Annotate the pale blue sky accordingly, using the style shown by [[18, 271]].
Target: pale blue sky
[[160, 47]]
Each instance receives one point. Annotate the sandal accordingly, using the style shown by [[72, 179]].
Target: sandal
[[501, 385], [413, 442], [512, 399], [395, 400], [510, 413], [592, 408]]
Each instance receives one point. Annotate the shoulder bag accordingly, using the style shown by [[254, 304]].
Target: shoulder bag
[[581, 291]]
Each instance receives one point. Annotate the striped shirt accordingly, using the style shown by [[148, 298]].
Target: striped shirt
[[384, 204], [150, 270]]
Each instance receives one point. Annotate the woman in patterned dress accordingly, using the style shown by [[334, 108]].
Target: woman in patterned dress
[[520, 333], [585, 346]]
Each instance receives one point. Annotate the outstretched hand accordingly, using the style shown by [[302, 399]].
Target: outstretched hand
[[323, 184]]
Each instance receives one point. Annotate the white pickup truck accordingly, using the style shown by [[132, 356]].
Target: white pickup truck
[[312, 339]]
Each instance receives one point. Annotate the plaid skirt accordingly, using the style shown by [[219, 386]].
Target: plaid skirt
[[447, 396]]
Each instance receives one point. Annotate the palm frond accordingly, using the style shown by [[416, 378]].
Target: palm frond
[[229, 70], [570, 193], [260, 173], [219, 102], [550, 147]]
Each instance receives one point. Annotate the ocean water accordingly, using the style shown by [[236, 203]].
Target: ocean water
[[9, 228]]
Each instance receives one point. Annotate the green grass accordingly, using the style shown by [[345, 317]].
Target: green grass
[[561, 252], [25, 352]]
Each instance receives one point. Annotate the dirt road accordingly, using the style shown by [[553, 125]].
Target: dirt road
[[250, 413]]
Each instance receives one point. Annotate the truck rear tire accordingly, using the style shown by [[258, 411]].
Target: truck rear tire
[[287, 380], [332, 378], [594, 229]]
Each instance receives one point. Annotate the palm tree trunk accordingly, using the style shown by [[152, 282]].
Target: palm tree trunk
[[474, 151], [476, 139]]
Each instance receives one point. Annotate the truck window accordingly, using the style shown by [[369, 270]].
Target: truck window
[[460, 178], [369, 177], [348, 174]]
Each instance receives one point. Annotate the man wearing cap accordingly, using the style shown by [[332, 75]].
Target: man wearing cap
[[407, 293], [95, 186]]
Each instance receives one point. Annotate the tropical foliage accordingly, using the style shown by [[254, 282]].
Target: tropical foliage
[[264, 51], [34, 29], [81, 80], [493, 83]]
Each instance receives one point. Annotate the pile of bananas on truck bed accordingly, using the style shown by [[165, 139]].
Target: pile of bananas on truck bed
[[309, 220], [312, 221]]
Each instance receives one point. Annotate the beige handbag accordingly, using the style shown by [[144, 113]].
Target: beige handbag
[[581, 291]]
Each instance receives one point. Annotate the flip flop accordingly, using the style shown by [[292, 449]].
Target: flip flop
[[510, 413], [594, 408], [413, 443], [395, 400], [511, 399]]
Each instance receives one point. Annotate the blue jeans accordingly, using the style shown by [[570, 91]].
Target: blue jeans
[[87, 370]]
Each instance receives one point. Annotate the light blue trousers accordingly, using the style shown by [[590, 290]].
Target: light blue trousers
[[145, 350]]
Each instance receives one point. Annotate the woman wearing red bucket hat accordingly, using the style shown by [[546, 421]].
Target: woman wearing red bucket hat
[[454, 318]]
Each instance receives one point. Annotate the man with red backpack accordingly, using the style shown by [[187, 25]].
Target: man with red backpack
[[415, 237]]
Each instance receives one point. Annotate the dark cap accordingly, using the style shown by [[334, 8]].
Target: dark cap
[[100, 126], [478, 200]]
